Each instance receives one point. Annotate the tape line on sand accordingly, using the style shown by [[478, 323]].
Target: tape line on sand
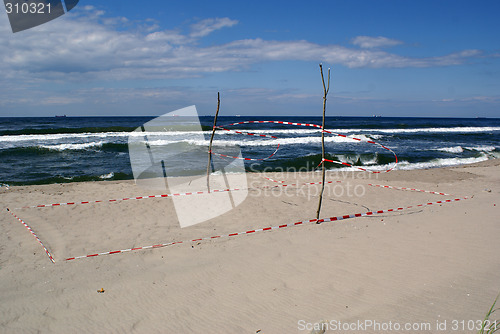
[[323, 220], [214, 191], [34, 234]]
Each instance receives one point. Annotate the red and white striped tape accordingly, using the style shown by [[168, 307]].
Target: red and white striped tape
[[162, 196], [34, 234], [272, 180], [238, 233], [127, 198], [330, 219], [370, 184], [282, 183], [309, 125], [411, 189]]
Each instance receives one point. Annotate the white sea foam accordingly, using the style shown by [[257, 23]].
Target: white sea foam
[[483, 148], [63, 147], [460, 149], [494, 155], [458, 129], [369, 161], [453, 149], [107, 176], [405, 165], [61, 136], [263, 141], [373, 133]]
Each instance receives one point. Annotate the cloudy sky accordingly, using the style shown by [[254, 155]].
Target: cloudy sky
[[389, 58]]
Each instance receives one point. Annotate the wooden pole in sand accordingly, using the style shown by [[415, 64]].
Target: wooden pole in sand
[[326, 88], [211, 140]]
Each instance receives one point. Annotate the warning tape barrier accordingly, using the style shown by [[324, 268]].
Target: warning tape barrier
[[270, 228], [411, 189], [232, 234], [307, 125], [369, 184], [34, 234], [127, 198], [280, 184]]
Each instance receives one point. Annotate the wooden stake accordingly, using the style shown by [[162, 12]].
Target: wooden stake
[[326, 88], [211, 140]]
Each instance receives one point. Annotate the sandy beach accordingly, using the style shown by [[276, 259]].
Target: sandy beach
[[431, 264]]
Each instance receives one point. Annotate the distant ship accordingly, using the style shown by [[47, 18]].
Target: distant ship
[[60, 116]]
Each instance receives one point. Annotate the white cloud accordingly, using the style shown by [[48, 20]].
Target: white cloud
[[480, 98], [85, 46], [205, 27], [374, 42]]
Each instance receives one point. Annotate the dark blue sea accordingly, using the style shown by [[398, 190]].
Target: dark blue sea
[[74, 149]]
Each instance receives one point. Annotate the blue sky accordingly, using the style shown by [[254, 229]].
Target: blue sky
[[389, 58]]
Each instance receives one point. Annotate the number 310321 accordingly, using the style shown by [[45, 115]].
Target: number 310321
[[27, 8]]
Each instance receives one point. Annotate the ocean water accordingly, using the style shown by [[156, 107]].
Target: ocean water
[[73, 149]]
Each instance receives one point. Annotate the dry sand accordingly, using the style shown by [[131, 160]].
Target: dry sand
[[422, 265]]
